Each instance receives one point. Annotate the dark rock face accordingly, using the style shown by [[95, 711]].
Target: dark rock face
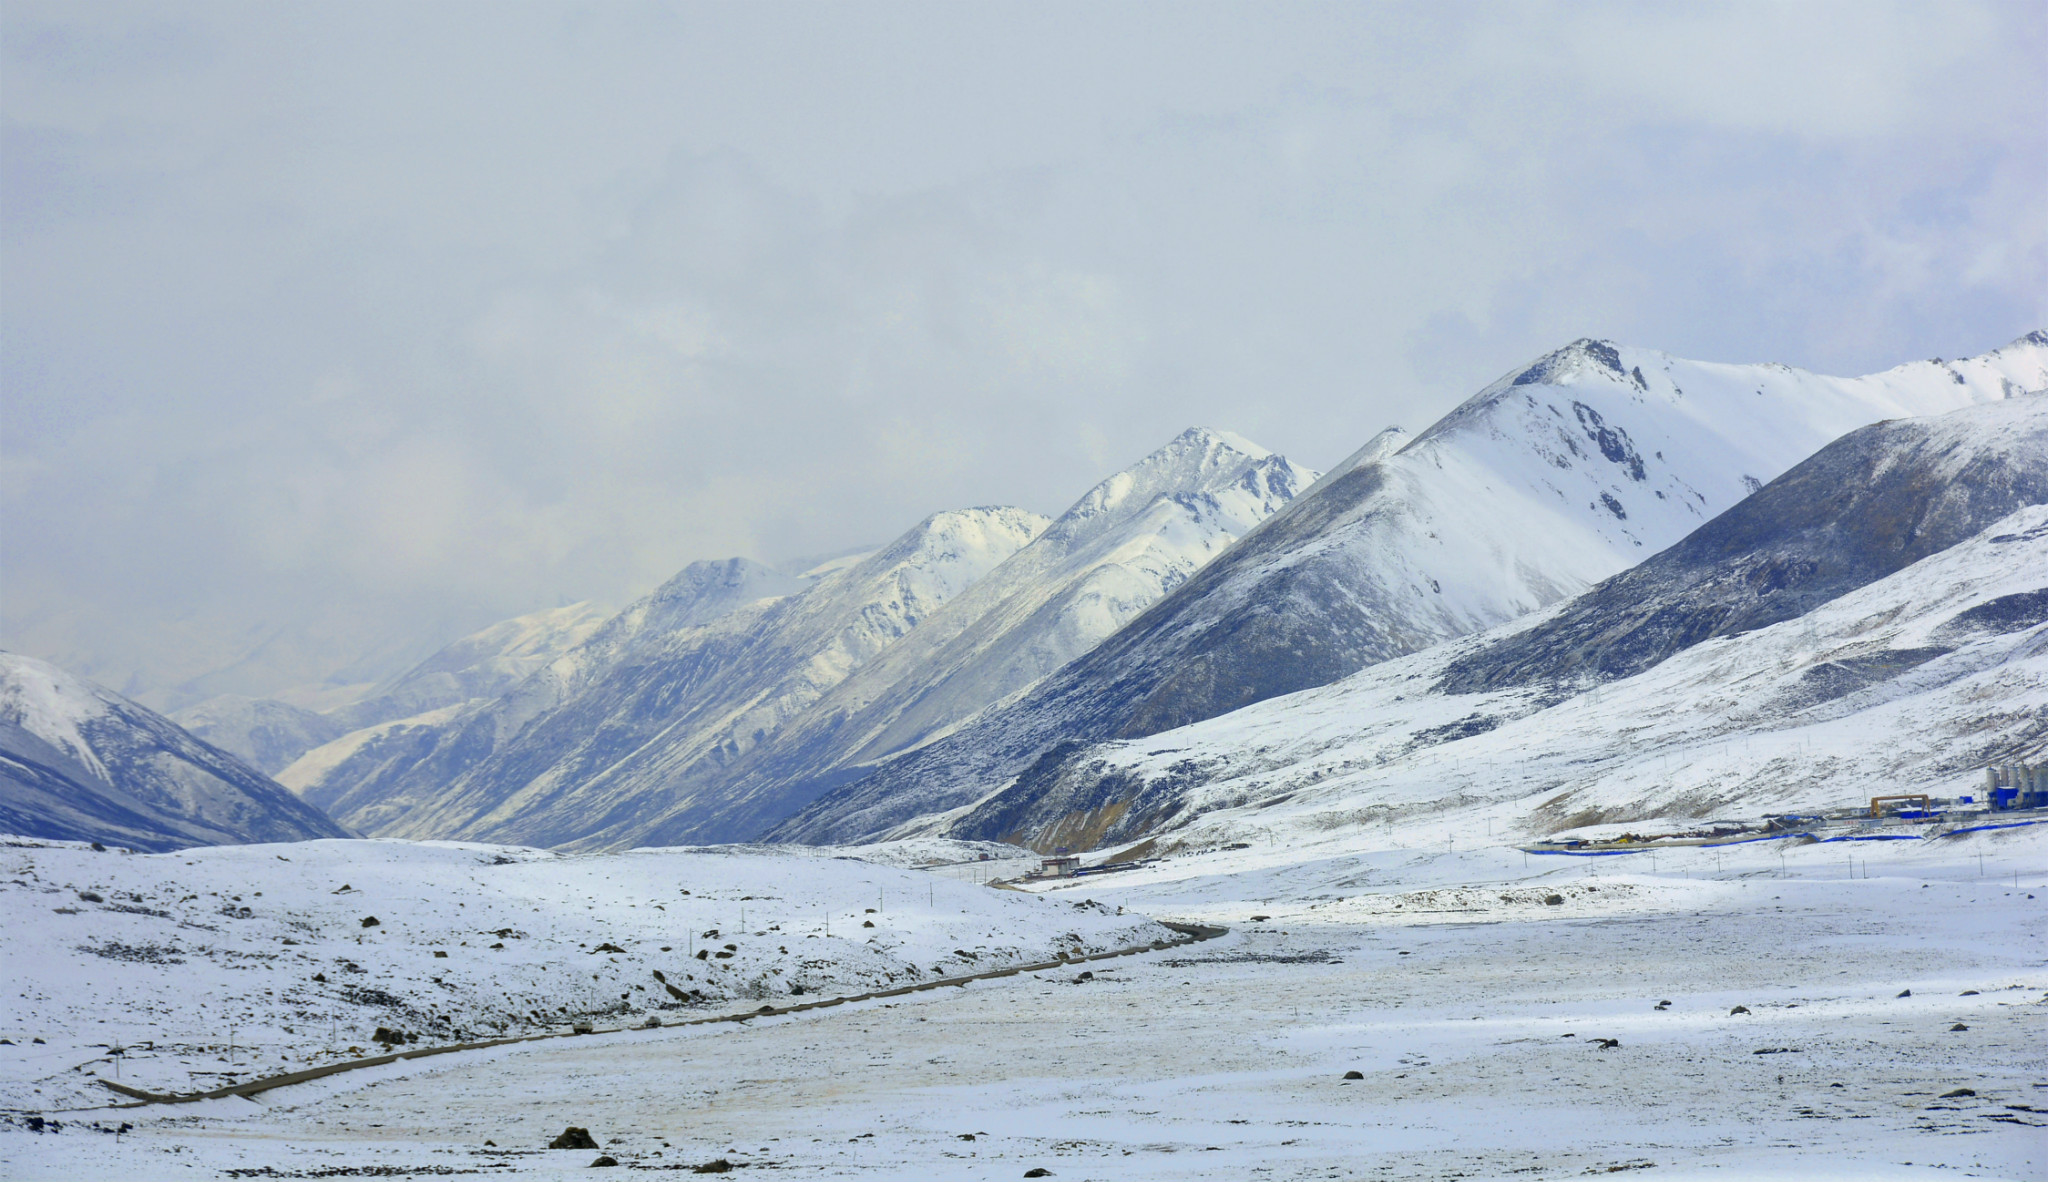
[[1872, 503]]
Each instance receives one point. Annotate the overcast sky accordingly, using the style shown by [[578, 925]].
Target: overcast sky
[[330, 330]]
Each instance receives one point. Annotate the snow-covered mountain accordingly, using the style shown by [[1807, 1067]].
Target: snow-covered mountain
[[81, 763], [265, 733], [371, 772], [1552, 478], [270, 734], [595, 748], [483, 664], [1913, 651], [1129, 541]]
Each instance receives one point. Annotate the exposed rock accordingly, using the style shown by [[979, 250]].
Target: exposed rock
[[574, 1138]]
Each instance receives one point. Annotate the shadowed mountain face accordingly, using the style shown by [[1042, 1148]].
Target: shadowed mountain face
[[1116, 551], [80, 763], [597, 747], [1874, 502], [1862, 510], [1550, 480]]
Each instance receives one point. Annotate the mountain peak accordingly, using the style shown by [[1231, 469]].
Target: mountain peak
[[1210, 437]]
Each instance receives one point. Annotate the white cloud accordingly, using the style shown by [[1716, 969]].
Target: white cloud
[[330, 329]]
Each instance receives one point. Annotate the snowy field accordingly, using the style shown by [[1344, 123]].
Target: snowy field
[[214, 966], [1471, 1008]]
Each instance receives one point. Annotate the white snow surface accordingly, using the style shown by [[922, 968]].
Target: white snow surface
[[173, 952], [1129, 541], [1876, 987], [52, 704], [1727, 727], [1559, 475]]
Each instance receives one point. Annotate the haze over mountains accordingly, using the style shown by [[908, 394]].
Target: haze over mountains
[[671, 726], [1590, 517]]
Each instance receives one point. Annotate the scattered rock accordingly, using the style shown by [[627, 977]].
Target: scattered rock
[[606, 1160], [90, 897], [1607, 1044], [658, 976], [867, 923], [1255, 919], [652, 1023], [97, 848], [574, 1138], [712, 1167], [703, 953], [967, 1136], [582, 1028], [440, 955], [1552, 900], [607, 946], [1969, 993], [1959, 1092], [1958, 1026], [1905, 993], [1038, 1172], [389, 1038], [1738, 1010], [1354, 1075], [492, 1144], [343, 889], [370, 921]]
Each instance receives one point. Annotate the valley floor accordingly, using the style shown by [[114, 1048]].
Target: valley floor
[[1471, 1008]]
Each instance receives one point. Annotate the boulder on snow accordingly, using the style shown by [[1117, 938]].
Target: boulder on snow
[[574, 1138], [607, 946], [1354, 1075], [605, 1160], [370, 921]]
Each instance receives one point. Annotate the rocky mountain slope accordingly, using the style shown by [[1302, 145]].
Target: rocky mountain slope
[[1549, 480], [1685, 688], [594, 743], [81, 763], [1126, 543], [270, 734]]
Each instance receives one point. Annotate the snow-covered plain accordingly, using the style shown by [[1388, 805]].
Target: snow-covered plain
[[175, 956], [1469, 1007]]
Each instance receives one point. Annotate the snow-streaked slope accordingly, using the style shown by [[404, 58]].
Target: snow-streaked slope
[[266, 733], [375, 772], [78, 762], [1130, 540], [1547, 481], [271, 734], [603, 756], [483, 664], [1912, 683], [170, 952], [1872, 502]]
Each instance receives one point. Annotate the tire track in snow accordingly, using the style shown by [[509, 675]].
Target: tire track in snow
[[1190, 934]]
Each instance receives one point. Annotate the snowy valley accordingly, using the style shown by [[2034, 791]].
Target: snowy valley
[[1308, 753]]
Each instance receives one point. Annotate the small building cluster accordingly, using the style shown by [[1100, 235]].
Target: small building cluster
[[2016, 786]]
